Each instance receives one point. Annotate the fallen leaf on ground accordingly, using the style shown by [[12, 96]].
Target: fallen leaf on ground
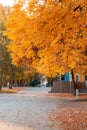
[[70, 119]]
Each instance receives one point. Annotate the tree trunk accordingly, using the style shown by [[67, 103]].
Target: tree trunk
[[0, 87], [73, 80], [0, 79], [10, 84]]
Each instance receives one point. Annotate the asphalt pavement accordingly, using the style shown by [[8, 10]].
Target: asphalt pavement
[[28, 109]]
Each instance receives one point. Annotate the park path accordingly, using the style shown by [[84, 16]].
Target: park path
[[26, 110], [32, 109]]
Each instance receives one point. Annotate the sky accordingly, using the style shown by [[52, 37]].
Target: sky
[[7, 2]]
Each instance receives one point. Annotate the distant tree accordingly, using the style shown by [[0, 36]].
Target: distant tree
[[8, 72]]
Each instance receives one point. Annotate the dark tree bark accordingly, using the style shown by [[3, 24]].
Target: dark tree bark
[[0, 86], [73, 81], [10, 84]]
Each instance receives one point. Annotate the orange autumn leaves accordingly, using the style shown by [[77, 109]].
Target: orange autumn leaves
[[49, 35]]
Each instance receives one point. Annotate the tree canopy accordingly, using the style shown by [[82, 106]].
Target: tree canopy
[[50, 35], [8, 71]]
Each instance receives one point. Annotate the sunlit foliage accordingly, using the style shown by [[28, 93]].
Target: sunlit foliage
[[50, 35]]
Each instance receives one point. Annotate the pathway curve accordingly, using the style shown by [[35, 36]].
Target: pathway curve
[[31, 108], [26, 110]]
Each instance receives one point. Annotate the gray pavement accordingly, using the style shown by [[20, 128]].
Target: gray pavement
[[31, 108], [35, 90], [26, 110]]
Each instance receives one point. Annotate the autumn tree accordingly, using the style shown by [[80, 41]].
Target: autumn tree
[[28, 74], [8, 72], [50, 36]]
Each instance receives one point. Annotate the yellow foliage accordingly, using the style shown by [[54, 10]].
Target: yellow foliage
[[50, 36]]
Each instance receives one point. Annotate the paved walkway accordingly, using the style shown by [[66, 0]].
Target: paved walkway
[[26, 110], [35, 90], [30, 109]]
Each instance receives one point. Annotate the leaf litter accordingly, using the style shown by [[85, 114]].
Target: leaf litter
[[69, 119]]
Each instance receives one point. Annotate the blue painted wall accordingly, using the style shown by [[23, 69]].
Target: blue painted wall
[[67, 77]]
